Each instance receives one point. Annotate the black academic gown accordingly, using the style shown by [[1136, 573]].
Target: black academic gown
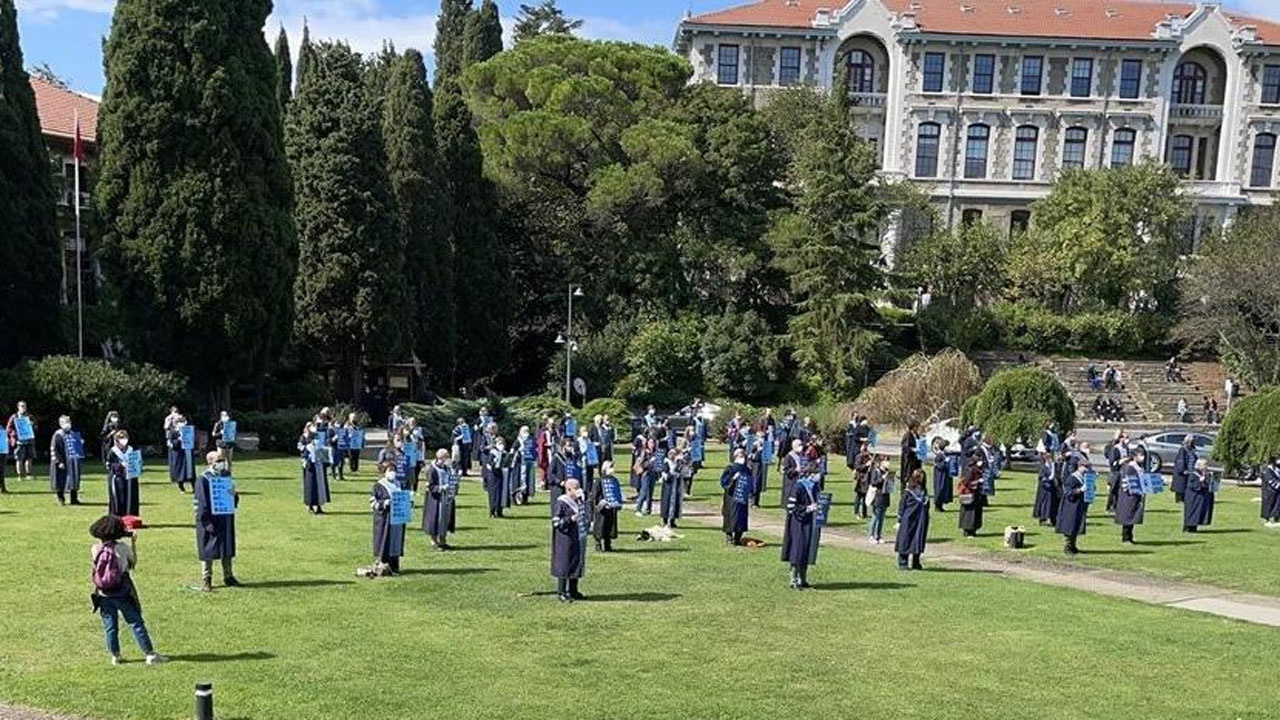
[[179, 471], [566, 539], [798, 536], [1046, 503], [315, 481], [493, 475], [1184, 464], [1130, 505], [1197, 503], [672, 504], [909, 461], [438, 514], [734, 515], [971, 514], [66, 478], [1271, 493], [604, 521], [388, 539], [1073, 511], [792, 465], [122, 491], [215, 534], [913, 523], [943, 492]]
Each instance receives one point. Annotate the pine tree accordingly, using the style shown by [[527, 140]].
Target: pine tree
[[451, 30], [470, 221], [409, 132], [350, 285], [483, 37], [544, 19], [193, 189], [29, 250], [284, 69]]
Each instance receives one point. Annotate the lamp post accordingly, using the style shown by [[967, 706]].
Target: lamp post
[[569, 345]]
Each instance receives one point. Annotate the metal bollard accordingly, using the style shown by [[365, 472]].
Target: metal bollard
[[204, 701]]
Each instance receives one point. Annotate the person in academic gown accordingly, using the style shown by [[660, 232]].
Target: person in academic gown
[[110, 424], [315, 483], [568, 556], [218, 435], [942, 490], [851, 444], [64, 469], [1184, 464], [1117, 458], [180, 472], [1073, 511], [609, 435], [909, 461], [1045, 509], [735, 515], [638, 450], [564, 465], [438, 512], [462, 441], [1197, 506], [493, 473], [672, 479], [215, 534], [1271, 493], [527, 451], [588, 457], [388, 539], [802, 508], [352, 428], [862, 480], [122, 491], [792, 468], [972, 500], [1130, 502], [913, 523], [546, 442], [604, 519], [758, 467], [654, 463]]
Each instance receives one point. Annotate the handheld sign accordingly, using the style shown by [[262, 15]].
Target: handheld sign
[[1151, 483], [25, 432], [222, 497], [953, 466], [612, 493], [4, 443], [1215, 483], [401, 507], [872, 439], [229, 431], [322, 438], [766, 455], [188, 437], [75, 446], [742, 490], [824, 507], [570, 427], [411, 453], [1090, 486], [344, 438], [357, 439], [593, 454], [922, 449], [133, 464]]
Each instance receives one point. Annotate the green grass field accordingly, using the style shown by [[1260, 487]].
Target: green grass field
[[693, 629]]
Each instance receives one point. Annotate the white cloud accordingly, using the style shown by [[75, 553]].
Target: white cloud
[[363, 24], [47, 10]]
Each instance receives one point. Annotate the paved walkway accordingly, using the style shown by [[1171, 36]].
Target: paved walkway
[[9, 712], [1260, 609]]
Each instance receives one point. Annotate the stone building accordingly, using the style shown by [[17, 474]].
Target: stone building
[[983, 102]]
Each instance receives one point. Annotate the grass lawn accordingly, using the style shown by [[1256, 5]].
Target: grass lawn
[[688, 630]]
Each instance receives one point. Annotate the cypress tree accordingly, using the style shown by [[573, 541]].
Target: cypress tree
[[451, 30], [305, 56], [284, 69], [470, 218], [483, 37], [30, 255], [409, 132], [350, 285], [193, 189]]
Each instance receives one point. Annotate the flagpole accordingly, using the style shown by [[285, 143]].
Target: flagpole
[[79, 247]]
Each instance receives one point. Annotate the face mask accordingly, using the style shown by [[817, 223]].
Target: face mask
[[65, 425], [389, 475], [122, 443], [220, 466], [225, 417]]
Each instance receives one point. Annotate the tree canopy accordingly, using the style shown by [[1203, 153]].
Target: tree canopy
[[545, 18]]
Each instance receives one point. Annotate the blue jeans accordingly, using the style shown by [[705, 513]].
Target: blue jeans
[[644, 500], [109, 607], [877, 523]]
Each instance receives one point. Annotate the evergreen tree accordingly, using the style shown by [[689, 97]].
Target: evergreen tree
[[470, 223], [193, 189], [306, 55], [543, 19], [284, 69], [29, 249], [483, 37], [350, 287], [409, 132], [451, 30]]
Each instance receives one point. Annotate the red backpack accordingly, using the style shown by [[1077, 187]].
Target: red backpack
[[107, 575]]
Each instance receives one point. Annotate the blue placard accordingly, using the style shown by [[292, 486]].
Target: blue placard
[[1090, 486], [229, 431], [766, 455], [4, 443], [222, 496], [75, 446], [922, 449], [593, 454], [953, 465], [464, 434], [356, 439], [25, 432], [570, 427], [343, 436], [133, 464], [1151, 483], [411, 453], [612, 492], [824, 508], [872, 439], [322, 438], [742, 491], [697, 452], [188, 437], [401, 507], [1215, 483]]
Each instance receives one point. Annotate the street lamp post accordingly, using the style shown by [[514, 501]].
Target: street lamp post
[[569, 345]]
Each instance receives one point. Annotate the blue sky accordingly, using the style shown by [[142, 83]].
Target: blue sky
[[67, 34]]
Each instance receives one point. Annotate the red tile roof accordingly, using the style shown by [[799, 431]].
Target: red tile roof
[[1085, 19], [58, 108]]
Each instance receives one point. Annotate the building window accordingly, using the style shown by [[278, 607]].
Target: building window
[[975, 152], [970, 216], [1073, 148], [1130, 79], [984, 74], [1019, 221], [789, 66], [1180, 154], [727, 65], [1081, 77], [934, 64], [927, 149], [1024, 152], [1271, 85], [1032, 71], [1188, 84], [1264, 156], [1122, 147], [862, 72]]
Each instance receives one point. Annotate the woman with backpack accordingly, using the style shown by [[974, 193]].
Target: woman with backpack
[[114, 593]]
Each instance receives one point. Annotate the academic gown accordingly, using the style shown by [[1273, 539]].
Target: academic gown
[[942, 490], [215, 534], [798, 536], [1130, 506], [122, 491], [1184, 464], [637, 461], [1197, 503], [672, 504], [1046, 504], [913, 523], [106, 438], [315, 482], [567, 561], [66, 478], [388, 539], [1073, 511], [908, 462], [179, 471], [735, 515], [438, 512], [1270, 493], [494, 477], [792, 465], [604, 521], [971, 514]]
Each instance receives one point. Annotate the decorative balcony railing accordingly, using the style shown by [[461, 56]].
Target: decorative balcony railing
[[867, 100], [1196, 112]]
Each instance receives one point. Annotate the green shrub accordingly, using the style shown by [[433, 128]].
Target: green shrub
[[1016, 403], [616, 409], [531, 409], [664, 363], [740, 355], [1251, 431], [306, 391], [1031, 328], [278, 430], [942, 326]]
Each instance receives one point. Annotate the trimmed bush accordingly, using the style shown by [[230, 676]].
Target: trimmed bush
[[616, 409], [277, 430], [1016, 403], [1251, 431]]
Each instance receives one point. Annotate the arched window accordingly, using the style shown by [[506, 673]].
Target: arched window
[[1073, 147], [1264, 157], [975, 152], [862, 72], [1025, 147], [927, 149], [1122, 143], [1189, 80]]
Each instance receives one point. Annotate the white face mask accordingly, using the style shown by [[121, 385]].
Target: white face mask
[[220, 466], [389, 475], [122, 443], [65, 425]]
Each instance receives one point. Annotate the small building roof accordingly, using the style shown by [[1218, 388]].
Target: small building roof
[[58, 108]]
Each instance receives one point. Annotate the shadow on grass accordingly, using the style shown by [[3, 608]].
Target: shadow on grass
[[640, 550], [1115, 552], [494, 548], [640, 597], [281, 584], [217, 657], [343, 513], [1171, 543], [966, 571], [447, 571], [845, 586], [1222, 531], [168, 526]]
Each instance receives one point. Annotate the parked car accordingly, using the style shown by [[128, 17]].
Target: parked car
[[1162, 447]]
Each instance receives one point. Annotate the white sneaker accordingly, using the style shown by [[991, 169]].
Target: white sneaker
[[156, 659], [639, 514], [117, 660]]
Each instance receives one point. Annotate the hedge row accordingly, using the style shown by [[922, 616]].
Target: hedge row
[[1030, 328]]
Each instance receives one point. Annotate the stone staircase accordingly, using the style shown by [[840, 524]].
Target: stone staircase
[[1159, 397], [1073, 374]]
